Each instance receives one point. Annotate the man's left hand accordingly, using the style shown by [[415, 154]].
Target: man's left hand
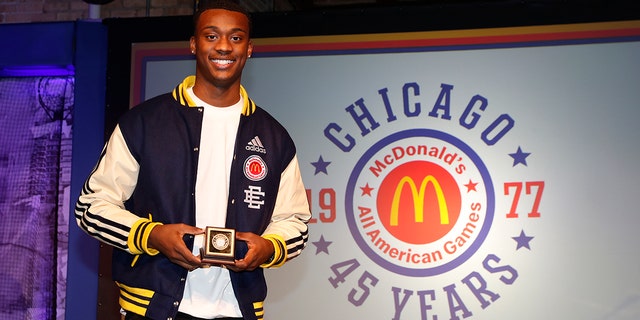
[[260, 250]]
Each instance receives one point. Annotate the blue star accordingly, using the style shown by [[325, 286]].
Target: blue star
[[519, 157], [522, 240], [322, 245], [321, 166]]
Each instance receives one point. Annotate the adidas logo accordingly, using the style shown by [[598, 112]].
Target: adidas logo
[[255, 145]]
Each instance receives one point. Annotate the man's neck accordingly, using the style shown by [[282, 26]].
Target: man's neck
[[217, 96]]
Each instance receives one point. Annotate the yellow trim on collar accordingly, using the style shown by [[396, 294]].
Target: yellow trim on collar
[[180, 94], [249, 106], [185, 99]]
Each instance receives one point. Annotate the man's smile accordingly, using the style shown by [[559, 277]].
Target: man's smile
[[222, 62]]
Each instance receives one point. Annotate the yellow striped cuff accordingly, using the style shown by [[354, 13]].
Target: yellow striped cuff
[[139, 235], [280, 253]]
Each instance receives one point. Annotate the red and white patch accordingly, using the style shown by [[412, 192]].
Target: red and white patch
[[255, 168]]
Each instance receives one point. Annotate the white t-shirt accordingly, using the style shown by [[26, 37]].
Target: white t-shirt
[[208, 292]]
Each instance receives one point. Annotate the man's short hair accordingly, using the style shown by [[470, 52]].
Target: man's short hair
[[204, 5]]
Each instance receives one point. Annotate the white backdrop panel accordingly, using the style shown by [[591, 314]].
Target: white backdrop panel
[[574, 109]]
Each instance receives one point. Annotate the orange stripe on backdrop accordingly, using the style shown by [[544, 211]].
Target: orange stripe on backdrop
[[449, 38]]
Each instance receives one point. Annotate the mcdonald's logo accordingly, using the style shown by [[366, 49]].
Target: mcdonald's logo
[[418, 197], [255, 168]]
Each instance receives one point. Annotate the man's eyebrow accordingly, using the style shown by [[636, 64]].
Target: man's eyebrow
[[217, 29]]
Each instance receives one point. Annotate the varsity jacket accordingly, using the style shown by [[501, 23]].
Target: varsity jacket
[[146, 175]]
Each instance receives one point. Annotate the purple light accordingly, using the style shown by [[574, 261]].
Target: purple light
[[37, 71]]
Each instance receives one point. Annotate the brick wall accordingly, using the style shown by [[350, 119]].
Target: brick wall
[[24, 11], [21, 11]]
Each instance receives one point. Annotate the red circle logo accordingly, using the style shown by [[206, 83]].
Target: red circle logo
[[254, 168], [419, 202]]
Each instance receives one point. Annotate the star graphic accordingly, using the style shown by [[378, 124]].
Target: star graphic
[[471, 186], [322, 245], [321, 166], [519, 157], [366, 190], [522, 240]]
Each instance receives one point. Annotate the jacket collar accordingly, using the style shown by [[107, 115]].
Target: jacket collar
[[180, 94]]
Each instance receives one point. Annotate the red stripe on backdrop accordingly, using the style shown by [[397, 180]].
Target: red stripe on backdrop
[[450, 38]]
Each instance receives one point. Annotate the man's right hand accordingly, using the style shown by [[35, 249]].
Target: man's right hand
[[168, 239]]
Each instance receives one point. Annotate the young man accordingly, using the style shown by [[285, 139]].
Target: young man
[[202, 155]]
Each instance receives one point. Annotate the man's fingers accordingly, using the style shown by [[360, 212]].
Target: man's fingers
[[187, 229], [168, 239]]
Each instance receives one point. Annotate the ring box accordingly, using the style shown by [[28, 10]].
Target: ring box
[[219, 246]]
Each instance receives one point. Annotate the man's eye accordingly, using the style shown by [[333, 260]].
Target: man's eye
[[236, 38], [211, 37]]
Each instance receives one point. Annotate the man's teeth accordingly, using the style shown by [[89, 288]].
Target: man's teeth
[[220, 61]]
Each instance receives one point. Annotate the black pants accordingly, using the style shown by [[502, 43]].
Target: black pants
[[180, 316]]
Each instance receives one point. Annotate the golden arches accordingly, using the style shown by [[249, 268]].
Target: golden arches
[[418, 199]]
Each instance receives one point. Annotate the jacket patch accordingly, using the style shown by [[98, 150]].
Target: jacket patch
[[254, 197], [255, 169]]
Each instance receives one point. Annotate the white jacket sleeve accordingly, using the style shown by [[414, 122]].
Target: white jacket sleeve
[[288, 228], [100, 209]]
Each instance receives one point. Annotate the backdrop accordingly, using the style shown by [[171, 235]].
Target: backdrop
[[35, 166], [482, 174]]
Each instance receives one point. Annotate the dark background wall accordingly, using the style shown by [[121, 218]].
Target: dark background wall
[[27, 11], [19, 11]]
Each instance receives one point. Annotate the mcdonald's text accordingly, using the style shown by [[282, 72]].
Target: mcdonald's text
[[400, 152]]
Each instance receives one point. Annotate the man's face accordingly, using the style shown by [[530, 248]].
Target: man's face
[[221, 44]]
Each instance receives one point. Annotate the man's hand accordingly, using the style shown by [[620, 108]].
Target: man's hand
[[260, 250], [167, 238]]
